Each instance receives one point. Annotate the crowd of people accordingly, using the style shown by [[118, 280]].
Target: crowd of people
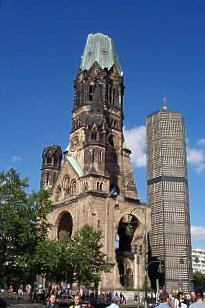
[[50, 297], [55, 294], [195, 300], [89, 300]]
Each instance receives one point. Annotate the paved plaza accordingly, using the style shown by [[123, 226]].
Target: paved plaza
[[22, 304], [26, 305]]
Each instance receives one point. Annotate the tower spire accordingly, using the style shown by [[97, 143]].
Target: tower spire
[[99, 48], [164, 103]]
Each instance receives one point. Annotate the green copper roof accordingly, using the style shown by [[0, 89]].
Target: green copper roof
[[75, 165], [100, 48]]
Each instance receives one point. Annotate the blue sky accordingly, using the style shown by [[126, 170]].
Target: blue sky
[[161, 48]]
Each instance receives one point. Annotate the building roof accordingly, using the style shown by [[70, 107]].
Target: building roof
[[74, 163], [99, 48]]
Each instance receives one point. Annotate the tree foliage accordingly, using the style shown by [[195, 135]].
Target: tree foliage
[[52, 261], [86, 256], [199, 280], [26, 250], [74, 259], [22, 223]]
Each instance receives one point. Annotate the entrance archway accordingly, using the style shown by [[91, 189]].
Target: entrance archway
[[126, 229], [65, 225]]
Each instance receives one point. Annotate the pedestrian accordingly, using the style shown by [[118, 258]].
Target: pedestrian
[[51, 301], [164, 300], [42, 296], [192, 297], [20, 293], [135, 297], [35, 296], [28, 291], [116, 298], [179, 301], [199, 301], [122, 298], [114, 302], [77, 302]]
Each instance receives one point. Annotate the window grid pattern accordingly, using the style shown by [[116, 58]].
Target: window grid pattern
[[167, 194]]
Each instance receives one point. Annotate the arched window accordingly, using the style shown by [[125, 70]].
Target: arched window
[[110, 94], [98, 223], [73, 187], [58, 193], [85, 186], [99, 185], [113, 96], [94, 135], [66, 186], [49, 160], [91, 91], [47, 178]]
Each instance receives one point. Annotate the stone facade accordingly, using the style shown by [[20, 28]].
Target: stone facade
[[94, 183]]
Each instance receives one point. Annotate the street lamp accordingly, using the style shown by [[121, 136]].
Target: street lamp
[[146, 274], [138, 252]]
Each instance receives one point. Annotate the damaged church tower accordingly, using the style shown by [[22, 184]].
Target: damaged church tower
[[95, 183]]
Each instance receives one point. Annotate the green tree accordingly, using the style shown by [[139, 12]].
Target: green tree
[[199, 279], [73, 259], [25, 249], [22, 224], [52, 261], [84, 251]]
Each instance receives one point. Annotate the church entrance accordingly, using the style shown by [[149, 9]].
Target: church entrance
[[65, 225], [126, 248]]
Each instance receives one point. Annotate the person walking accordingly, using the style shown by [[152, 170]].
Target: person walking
[[114, 302], [164, 300], [199, 301], [20, 293], [77, 302], [179, 301], [51, 301], [192, 297]]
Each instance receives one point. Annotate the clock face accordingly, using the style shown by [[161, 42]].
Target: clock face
[[74, 143]]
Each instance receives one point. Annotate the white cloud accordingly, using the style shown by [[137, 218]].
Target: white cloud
[[201, 141], [196, 158], [16, 159], [136, 141], [198, 233]]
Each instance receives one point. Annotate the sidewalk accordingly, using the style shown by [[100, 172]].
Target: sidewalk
[[26, 305], [22, 304]]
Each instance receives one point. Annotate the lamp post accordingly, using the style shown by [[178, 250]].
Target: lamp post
[[137, 272], [146, 273]]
